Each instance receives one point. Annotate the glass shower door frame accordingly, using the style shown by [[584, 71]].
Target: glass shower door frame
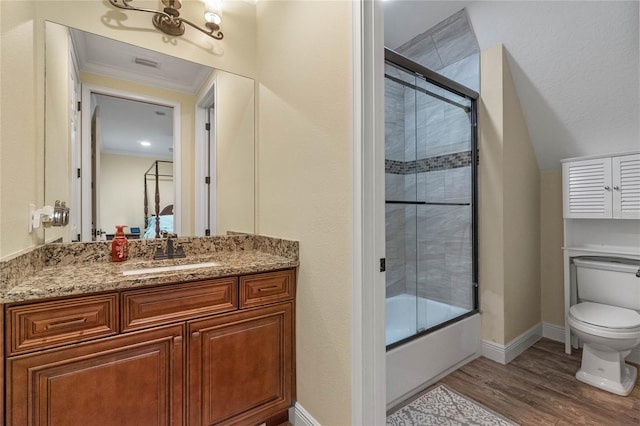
[[436, 79]]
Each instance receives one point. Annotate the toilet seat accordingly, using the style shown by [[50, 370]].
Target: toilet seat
[[605, 320]]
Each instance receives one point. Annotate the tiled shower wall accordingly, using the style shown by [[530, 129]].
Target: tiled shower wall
[[429, 248]]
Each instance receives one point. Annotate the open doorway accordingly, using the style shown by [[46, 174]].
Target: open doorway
[[131, 170]]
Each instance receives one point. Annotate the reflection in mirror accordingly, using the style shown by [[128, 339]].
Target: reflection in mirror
[[131, 134], [135, 151]]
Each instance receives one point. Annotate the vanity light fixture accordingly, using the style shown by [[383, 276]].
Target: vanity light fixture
[[169, 21]]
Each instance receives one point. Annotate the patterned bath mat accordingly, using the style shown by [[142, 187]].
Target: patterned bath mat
[[442, 406]]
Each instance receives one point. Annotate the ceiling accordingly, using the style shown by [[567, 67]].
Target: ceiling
[[125, 123], [575, 65]]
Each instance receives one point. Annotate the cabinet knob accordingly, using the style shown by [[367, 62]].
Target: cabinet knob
[[195, 334], [607, 188], [177, 340], [617, 188]]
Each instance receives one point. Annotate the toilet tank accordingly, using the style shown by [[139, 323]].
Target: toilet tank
[[608, 281]]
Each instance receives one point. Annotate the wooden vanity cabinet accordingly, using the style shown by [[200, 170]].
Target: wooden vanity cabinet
[[240, 366], [134, 379], [168, 355]]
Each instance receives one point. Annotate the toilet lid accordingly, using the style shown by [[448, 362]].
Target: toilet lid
[[605, 315]]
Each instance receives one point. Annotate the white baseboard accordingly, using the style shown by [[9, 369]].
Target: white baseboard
[[556, 332], [301, 417], [504, 354], [553, 332]]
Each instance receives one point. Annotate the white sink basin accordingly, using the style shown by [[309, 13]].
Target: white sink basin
[[169, 268]]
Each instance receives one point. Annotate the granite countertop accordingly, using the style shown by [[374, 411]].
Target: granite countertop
[[60, 275]]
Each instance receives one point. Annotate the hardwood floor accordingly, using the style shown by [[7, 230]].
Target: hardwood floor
[[539, 388]]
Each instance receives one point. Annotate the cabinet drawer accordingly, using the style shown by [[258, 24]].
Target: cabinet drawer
[[149, 307], [267, 288], [48, 324]]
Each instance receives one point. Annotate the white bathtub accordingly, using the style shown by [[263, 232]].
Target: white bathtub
[[407, 313], [417, 364]]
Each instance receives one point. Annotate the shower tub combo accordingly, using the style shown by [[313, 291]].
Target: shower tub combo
[[432, 320]]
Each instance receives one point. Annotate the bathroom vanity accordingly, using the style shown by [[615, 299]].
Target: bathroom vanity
[[196, 346]]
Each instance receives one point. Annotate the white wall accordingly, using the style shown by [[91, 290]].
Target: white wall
[[304, 175]]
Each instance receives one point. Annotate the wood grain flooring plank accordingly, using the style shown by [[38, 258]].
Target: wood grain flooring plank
[[539, 388]]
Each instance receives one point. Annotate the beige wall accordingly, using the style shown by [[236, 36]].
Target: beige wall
[[521, 217], [304, 166], [122, 191], [235, 179], [551, 242], [509, 207], [491, 196], [57, 124], [21, 148]]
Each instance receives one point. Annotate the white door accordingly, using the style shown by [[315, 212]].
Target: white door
[[95, 174], [76, 159], [211, 173], [587, 189], [626, 186]]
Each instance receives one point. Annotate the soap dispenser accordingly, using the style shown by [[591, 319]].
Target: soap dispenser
[[119, 245]]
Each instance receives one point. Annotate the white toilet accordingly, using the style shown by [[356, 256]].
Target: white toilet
[[607, 322]]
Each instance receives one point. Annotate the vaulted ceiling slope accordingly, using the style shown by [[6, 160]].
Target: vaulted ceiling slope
[[576, 66]]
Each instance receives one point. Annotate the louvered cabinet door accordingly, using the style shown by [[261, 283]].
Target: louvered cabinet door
[[587, 189], [626, 186]]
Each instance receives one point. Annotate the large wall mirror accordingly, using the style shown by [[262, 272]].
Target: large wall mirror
[[139, 138]]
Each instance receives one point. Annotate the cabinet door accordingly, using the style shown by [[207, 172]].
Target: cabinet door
[[240, 366], [626, 186], [587, 189], [134, 380]]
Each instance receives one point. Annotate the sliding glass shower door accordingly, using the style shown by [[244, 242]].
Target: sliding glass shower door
[[430, 146]]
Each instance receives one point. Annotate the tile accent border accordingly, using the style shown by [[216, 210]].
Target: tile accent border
[[430, 164]]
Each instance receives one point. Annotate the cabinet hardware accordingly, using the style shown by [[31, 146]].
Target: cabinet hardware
[[195, 334], [607, 187], [268, 288], [177, 339], [65, 323], [617, 188]]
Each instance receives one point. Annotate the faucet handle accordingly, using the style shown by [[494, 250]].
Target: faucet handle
[[159, 252], [179, 249]]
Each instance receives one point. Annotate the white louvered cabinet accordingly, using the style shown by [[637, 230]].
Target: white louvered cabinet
[[602, 188], [626, 186]]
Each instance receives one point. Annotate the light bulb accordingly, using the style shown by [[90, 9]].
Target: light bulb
[[213, 11]]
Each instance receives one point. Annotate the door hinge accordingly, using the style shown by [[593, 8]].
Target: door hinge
[[207, 180], [79, 106], [207, 232], [78, 173], [207, 126], [383, 264]]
